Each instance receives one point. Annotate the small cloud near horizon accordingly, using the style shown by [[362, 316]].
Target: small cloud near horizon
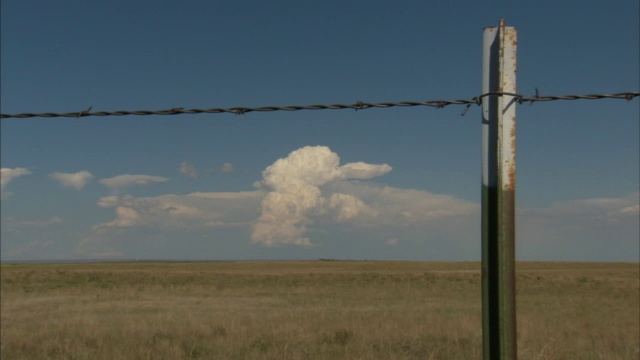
[[392, 242], [121, 181], [227, 167], [188, 170], [72, 180]]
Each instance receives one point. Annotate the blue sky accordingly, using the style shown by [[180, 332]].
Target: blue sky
[[401, 183]]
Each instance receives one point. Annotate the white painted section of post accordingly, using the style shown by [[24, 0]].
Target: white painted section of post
[[507, 143]]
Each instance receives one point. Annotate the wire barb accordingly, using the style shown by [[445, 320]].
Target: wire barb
[[360, 105], [535, 97], [84, 112], [466, 108], [477, 100]]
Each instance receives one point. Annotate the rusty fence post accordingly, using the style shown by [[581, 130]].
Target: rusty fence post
[[498, 193]]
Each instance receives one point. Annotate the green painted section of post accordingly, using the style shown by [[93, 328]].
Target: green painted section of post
[[498, 193]]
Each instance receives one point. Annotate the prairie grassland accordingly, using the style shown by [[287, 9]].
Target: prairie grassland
[[309, 310]]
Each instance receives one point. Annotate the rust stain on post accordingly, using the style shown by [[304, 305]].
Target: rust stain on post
[[511, 184]]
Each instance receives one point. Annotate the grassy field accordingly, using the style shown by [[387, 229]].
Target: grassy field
[[309, 310]]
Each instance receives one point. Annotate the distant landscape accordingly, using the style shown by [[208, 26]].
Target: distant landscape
[[309, 310]]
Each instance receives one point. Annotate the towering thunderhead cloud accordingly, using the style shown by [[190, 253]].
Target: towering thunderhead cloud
[[294, 183]]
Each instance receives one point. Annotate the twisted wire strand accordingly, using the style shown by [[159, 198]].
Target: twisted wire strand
[[357, 106]]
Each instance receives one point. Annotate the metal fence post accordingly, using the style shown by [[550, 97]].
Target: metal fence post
[[498, 193]]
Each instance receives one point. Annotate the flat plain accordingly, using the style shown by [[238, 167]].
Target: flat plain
[[309, 310]]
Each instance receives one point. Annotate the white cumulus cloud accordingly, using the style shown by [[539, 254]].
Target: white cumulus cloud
[[295, 195], [73, 180], [306, 192], [125, 217], [360, 170], [188, 170], [108, 201], [348, 207], [227, 167], [121, 181], [195, 211], [383, 205], [8, 174], [306, 198]]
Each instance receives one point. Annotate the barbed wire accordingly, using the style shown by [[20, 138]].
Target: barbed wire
[[360, 105]]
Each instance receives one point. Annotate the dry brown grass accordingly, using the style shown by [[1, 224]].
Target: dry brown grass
[[309, 310]]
